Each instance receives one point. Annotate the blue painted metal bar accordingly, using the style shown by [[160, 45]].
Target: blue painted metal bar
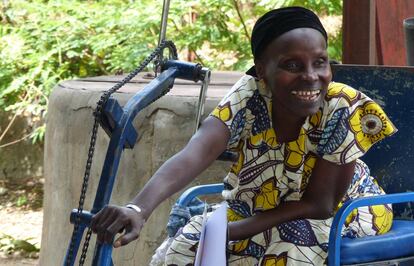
[[155, 89], [112, 114], [334, 249], [85, 217], [151, 92], [193, 192], [188, 71], [104, 256], [110, 121]]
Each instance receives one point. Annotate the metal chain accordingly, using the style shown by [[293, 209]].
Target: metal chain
[[97, 117], [85, 246]]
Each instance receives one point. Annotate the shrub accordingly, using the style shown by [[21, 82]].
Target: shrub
[[44, 42]]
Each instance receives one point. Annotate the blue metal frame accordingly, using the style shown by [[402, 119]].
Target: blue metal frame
[[123, 135], [334, 249], [193, 192]]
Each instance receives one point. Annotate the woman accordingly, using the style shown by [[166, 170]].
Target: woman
[[298, 136]]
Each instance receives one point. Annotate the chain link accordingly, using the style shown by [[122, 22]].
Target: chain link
[[97, 118], [85, 247]]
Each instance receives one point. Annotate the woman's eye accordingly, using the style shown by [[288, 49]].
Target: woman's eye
[[321, 62], [292, 66]]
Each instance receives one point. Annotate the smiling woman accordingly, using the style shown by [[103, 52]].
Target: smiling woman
[[294, 132]]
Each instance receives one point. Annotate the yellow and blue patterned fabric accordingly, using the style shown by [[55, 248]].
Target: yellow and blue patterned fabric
[[268, 172]]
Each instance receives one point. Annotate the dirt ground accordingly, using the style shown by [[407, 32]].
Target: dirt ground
[[21, 218], [18, 261]]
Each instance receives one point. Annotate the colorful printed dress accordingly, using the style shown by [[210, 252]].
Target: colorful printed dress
[[268, 172]]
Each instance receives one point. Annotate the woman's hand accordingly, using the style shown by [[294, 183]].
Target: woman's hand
[[112, 220]]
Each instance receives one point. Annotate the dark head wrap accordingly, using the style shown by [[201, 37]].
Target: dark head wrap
[[278, 21]]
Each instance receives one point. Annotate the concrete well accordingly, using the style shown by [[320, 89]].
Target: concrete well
[[164, 128]]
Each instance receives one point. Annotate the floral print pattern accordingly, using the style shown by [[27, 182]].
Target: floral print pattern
[[268, 172]]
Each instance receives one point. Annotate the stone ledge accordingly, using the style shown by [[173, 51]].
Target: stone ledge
[[220, 82]]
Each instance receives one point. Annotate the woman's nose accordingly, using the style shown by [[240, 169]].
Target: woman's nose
[[310, 75]]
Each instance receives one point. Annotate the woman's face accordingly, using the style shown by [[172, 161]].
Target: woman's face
[[295, 67]]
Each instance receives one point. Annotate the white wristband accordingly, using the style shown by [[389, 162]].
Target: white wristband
[[134, 207]]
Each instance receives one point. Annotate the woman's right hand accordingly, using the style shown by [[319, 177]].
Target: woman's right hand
[[112, 220]]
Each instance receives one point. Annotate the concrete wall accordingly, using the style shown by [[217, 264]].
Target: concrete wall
[[164, 128], [22, 159]]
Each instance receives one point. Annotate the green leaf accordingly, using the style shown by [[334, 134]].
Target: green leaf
[[24, 245]]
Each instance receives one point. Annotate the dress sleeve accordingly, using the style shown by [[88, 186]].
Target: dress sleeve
[[351, 124], [232, 110]]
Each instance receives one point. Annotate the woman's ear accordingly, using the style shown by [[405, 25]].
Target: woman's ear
[[259, 68]]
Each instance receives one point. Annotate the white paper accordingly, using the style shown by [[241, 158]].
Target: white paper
[[199, 254], [213, 239]]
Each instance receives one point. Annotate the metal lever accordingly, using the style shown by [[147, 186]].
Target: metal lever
[[205, 74]]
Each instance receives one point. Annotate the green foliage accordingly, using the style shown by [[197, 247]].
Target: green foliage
[[44, 42], [9, 245], [21, 200], [322, 7]]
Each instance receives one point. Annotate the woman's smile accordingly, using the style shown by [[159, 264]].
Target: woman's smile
[[307, 95]]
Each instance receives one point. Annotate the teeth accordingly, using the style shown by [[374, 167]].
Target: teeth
[[306, 93]]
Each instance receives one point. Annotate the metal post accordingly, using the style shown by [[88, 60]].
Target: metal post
[[163, 31], [164, 19], [409, 40]]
